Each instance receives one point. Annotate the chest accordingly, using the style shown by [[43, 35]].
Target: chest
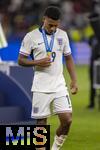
[[41, 49]]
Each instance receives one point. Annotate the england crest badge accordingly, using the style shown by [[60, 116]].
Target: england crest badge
[[60, 41]]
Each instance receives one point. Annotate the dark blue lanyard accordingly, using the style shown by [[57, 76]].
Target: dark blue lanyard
[[47, 46]]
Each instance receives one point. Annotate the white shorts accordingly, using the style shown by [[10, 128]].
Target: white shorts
[[45, 104]]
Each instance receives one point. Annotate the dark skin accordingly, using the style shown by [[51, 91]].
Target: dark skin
[[65, 118], [23, 61]]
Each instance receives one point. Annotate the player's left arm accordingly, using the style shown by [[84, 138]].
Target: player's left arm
[[71, 69]]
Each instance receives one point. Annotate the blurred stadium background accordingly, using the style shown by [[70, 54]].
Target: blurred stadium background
[[17, 17], [20, 16]]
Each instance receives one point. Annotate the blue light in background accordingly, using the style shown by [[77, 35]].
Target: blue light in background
[[10, 53]]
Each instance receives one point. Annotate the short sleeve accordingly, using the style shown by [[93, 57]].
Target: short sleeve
[[67, 49], [26, 46]]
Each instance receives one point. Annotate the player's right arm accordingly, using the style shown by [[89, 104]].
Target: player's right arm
[[24, 61]]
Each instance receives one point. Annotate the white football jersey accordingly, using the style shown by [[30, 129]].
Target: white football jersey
[[47, 79]]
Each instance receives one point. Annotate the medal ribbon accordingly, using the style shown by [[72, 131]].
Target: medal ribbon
[[47, 46]]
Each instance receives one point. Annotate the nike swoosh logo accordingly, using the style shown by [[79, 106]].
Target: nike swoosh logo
[[40, 43]]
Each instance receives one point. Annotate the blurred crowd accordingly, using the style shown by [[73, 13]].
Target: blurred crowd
[[19, 16]]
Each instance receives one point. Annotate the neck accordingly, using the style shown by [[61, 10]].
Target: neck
[[46, 31]]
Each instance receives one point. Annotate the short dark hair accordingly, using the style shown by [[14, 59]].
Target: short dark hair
[[52, 12]]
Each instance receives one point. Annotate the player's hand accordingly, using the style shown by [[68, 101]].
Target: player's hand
[[45, 62], [73, 87]]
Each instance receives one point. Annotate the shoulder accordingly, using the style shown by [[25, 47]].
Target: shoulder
[[33, 32], [61, 32], [32, 35]]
